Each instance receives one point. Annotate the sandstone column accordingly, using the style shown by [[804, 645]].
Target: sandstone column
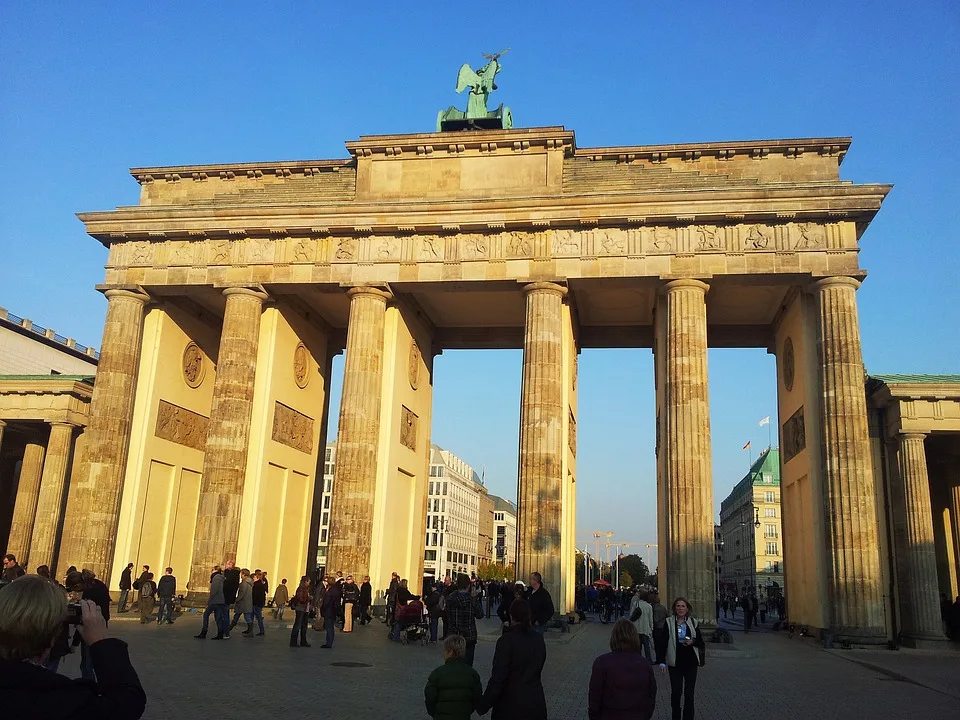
[[686, 510], [850, 522], [917, 558], [228, 433], [2, 426], [350, 541], [542, 446], [93, 509], [59, 448], [25, 506], [955, 527]]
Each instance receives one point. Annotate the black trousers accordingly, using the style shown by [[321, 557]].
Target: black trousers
[[683, 682], [471, 649]]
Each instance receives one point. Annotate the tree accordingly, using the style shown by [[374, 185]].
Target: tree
[[635, 567], [626, 579]]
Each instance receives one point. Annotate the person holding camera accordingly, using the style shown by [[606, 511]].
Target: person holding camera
[[32, 613], [86, 585]]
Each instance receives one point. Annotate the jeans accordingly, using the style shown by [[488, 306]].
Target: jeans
[[280, 609], [221, 618], [166, 610], [542, 629], [299, 627], [257, 615], [330, 628], [433, 628], [683, 681], [395, 635], [645, 646], [122, 602]]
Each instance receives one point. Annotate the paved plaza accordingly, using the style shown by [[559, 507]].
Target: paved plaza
[[766, 676]]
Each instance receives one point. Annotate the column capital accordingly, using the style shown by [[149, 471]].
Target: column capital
[[255, 291], [685, 283], [912, 435], [547, 287], [369, 290], [132, 293], [61, 423], [835, 281]]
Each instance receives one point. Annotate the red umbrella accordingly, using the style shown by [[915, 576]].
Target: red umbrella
[[600, 582]]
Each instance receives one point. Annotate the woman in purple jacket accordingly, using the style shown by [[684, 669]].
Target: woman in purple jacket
[[622, 685]]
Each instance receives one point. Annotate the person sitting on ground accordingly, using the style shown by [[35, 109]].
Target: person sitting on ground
[[622, 684], [32, 612], [453, 690]]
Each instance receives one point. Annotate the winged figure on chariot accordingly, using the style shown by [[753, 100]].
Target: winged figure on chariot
[[481, 83]]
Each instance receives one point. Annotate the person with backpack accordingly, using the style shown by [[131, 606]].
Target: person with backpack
[[148, 597]]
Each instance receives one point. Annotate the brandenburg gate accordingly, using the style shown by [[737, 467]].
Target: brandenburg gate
[[231, 287]]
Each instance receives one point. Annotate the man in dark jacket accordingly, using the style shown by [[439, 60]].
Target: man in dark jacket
[[453, 690], [143, 576], [166, 591], [231, 583], [366, 600], [515, 688], [463, 611], [259, 599], [392, 598], [11, 568], [432, 603], [329, 609], [126, 583], [541, 604], [29, 690]]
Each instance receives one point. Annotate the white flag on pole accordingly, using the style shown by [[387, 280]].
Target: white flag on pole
[[765, 421]]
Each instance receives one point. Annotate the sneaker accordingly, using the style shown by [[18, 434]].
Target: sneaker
[[326, 647], [201, 636], [305, 644]]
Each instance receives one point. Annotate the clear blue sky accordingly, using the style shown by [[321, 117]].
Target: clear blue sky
[[88, 90]]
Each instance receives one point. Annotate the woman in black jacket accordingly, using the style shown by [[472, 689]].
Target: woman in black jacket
[[32, 611], [515, 689]]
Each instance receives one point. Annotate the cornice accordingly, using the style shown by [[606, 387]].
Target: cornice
[[524, 139], [830, 202], [228, 171], [758, 149]]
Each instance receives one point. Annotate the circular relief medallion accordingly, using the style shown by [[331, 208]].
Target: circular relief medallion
[[301, 366], [789, 364], [193, 367], [414, 366]]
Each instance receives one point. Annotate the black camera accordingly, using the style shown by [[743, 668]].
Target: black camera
[[74, 614]]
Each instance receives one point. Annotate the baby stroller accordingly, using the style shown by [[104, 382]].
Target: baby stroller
[[413, 623]]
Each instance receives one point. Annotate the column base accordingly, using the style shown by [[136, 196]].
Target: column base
[[839, 637], [925, 642]]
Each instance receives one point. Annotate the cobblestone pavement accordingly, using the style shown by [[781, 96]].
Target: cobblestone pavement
[[767, 676]]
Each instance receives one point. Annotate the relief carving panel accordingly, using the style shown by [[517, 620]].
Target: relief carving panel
[[181, 426], [292, 428], [408, 428], [572, 433], [794, 436]]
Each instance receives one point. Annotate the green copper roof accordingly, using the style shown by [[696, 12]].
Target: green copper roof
[[767, 464], [916, 378]]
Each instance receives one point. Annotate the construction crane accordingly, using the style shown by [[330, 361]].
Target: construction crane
[[597, 534]]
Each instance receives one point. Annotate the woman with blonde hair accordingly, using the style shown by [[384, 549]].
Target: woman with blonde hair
[[32, 613], [622, 685], [680, 649]]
